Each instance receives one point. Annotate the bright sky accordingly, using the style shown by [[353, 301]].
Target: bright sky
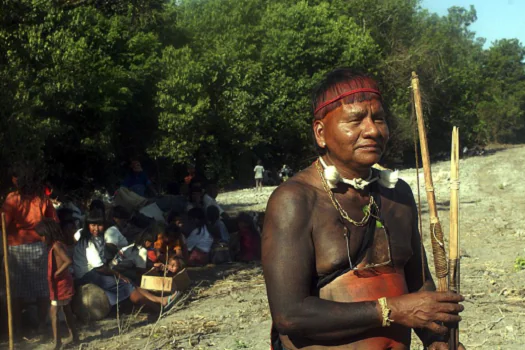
[[497, 19]]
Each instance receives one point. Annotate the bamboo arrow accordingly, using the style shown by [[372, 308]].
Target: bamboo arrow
[[436, 233], [453, 283]]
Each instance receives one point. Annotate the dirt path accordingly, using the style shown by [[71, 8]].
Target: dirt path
[[228, 310]]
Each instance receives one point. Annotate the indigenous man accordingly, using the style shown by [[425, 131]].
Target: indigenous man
[[341, 249]]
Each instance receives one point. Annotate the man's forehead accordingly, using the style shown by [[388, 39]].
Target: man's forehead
[[364, 106]]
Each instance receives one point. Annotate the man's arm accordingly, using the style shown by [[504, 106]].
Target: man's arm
[[66, 260], [289, 267]]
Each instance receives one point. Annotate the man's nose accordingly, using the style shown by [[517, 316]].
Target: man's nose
[[369, 127]]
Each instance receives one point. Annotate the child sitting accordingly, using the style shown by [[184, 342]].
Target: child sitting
[[199, 241], [220, 250], [175, 218], [171, 248], [217, 226], [250, 240], [60, 280], [132, 260]]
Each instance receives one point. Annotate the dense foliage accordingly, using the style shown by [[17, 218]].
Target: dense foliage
[[87, 84]]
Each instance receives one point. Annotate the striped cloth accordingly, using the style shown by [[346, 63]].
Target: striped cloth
[[28, 270]]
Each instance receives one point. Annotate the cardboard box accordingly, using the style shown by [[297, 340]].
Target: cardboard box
[[155, 281]]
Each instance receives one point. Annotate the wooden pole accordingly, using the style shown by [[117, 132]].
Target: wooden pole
[[436, 233], [454, 257], [7, 285]]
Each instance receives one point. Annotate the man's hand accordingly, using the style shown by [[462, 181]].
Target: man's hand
[[443, 346], [424, 309]]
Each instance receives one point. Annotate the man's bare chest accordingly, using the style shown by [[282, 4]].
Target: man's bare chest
[[339, 243]]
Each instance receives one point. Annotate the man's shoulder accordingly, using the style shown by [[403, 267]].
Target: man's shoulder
[[400, 194], [298, 190]]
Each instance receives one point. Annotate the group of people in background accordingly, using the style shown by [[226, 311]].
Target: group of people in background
[[54, 247], [262, 176]]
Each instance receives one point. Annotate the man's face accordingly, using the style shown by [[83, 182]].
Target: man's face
[[355, 134]]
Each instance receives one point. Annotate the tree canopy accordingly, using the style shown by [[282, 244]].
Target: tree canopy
[[87, 84]]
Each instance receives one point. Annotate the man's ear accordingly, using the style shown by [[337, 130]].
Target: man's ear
[[319, 128]]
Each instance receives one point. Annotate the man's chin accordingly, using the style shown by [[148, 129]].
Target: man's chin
[[368, 161]]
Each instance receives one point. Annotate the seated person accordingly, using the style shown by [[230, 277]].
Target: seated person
[[132, 261], [250, 240], [199, 241], [172, 243], [113, 236], [196, 192], [177, 219], [217, 226], [137, 180], [210, 199], [95, 204], [90, 267], [69, 209]]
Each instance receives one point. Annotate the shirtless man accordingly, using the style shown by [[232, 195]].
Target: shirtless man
[[336, 277]]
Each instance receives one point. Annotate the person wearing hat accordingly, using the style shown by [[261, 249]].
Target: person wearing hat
[[137, 180], [90, 267]]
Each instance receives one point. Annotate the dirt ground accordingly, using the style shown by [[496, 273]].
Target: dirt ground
[[227, 308]]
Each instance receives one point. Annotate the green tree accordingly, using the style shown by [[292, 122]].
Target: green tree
[[247, 72], [79, 81], [501, 110]]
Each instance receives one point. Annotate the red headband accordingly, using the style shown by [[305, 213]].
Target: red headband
[[344, 94]]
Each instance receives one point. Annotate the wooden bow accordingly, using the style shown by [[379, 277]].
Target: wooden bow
[[436, 233]]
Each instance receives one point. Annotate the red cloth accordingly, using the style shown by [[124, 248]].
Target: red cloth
[[22, 216], [152, 256], [48, 191], [61, 287], [250, 245], [198, 258]]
